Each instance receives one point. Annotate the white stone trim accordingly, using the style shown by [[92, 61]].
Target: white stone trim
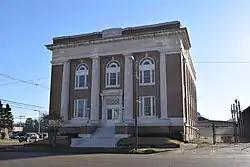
[[112, 92], [168, 43], [109, 93], [163, 85], [95, 89], [142, 106], [188, 63], [115, 70], [84, 73], [82, 135], [162, 33], [155, 121], [74, 142], [128, 88], [56, 63], [149, 67], [74, 123], [122, 135], [65, 90]]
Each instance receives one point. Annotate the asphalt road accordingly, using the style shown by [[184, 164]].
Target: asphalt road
[[216, 156]]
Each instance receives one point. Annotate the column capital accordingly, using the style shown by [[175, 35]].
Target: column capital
[[59, 62], [127, 54], [66, 61], [163, 51], [95, 57]]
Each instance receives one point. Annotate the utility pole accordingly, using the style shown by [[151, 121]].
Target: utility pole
[[239, 116], [20, 123], [39, 121], [137, 101], [214, 134], [233, 114]]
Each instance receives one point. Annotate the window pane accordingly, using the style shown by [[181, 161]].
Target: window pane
[[146, 101], [80, 108], [118, 78], [77, 84], [147, 106], [153, 76], [81, 80], [116, 113], [75, 108], [113, 66], [153, 101], [107, 79], [87, 80], [140, 76], [141, 107], [112, 79], [109, 113], [113, 75], [147, 111], [86, 114], [146, 76]]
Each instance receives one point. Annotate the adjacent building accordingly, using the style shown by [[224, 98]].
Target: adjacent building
[[106, 79]]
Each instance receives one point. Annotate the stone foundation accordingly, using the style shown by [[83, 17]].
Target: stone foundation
[[148, 129], [79, 130]]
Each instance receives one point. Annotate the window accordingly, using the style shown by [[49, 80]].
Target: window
[[113, 74], [147, 106], [147, 71], [81, 108], [81, 76]]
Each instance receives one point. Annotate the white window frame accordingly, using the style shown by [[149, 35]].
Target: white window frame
[[153, 106], [85, 111], [150, 67], [78, 73], [115, 70]]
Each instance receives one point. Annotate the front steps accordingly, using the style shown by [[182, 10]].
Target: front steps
[[103, 137]]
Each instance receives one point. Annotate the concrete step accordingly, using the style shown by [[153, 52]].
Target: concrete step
[[103, 137]]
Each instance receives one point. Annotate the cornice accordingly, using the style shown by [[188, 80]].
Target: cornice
[[182, 32]]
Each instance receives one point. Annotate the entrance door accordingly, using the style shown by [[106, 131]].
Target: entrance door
[[113, 116]]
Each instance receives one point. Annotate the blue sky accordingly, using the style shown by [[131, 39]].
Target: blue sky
[[219, 31]]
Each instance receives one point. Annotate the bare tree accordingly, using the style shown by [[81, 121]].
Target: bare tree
[[53, 123]]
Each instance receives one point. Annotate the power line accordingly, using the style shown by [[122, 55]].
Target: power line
[[11, 83], [221, 62], [24, 81], [26, 108], [22, 104]]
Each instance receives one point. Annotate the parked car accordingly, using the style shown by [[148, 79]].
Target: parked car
[[29, 137], [14, 136]]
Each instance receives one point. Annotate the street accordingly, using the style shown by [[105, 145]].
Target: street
[[216, 156]]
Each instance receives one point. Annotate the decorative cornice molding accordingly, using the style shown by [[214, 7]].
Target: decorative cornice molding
[[182, 32]]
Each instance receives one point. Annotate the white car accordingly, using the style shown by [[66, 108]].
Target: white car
[[29, 137]]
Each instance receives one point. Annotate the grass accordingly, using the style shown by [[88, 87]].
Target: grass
[[8, 140], [153, 142], [90, 150], [149, 150], [61, 140]]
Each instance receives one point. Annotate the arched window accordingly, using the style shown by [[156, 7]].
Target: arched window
[[113, 74], [81, 76], [147, 71]]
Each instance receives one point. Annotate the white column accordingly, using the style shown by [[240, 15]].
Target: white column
[[128, 89], [65, 91], [163, 85], [95, 89]]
